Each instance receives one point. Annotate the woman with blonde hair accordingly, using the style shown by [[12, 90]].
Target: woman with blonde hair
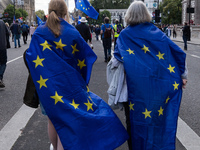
[[155, 71], [60, 64]]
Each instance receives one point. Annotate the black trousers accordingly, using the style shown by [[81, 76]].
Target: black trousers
[[128, 123], [25, 35]]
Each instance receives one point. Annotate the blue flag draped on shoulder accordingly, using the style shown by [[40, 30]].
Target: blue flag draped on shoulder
[[39, 21], [61, 68], [87, 8], [153, 66]]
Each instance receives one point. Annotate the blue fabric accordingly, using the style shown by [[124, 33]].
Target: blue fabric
[[82, 120], [86, 7], [153, 94], [39, 21], [79, 19], [107, 26]]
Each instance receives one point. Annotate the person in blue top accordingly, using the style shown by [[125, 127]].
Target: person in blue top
[[107, 33], [25, 29]]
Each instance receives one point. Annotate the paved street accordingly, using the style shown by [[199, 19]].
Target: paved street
[[23, 128]]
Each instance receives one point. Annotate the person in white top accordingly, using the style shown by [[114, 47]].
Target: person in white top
[[32, 30]]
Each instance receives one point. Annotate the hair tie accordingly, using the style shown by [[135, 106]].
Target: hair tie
[[54, 11]]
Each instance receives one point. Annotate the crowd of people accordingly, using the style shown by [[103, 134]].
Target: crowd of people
[[145, 75]]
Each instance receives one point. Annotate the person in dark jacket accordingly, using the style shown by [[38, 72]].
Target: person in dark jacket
[[84, 30], [186, 34], [15, 28], [3, 54]]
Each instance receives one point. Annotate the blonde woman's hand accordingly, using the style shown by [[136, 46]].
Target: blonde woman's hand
[[184, 83]]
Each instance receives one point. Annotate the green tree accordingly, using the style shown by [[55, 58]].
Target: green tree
[[18, 12], [40, 13], [171, 11], [24, 13]]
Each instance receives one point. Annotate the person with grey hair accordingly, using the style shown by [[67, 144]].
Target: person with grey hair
[[155, 72]]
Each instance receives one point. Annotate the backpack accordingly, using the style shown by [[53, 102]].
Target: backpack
[[107, 33], [24, 29], [119, 28]]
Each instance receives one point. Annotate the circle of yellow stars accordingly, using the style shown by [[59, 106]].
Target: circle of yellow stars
[[170, 68]]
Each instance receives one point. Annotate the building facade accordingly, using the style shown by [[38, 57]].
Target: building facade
[[194, 17], [27, 5]]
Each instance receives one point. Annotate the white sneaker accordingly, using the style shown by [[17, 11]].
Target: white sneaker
[[51, 147]]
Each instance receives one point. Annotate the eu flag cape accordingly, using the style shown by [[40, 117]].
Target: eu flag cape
[[153, 66], [87, 8], [60, 68]]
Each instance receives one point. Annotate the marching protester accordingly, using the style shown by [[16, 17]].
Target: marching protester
[[186, 35], [25, 29], [15, 28], [4, 33], [117, 28], [155, 73], [107, 33], [60, 64]]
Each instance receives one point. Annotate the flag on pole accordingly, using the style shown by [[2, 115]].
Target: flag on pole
[[39, 21], [86, 7]]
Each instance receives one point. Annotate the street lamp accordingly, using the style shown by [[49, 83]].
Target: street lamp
[[168, 16]]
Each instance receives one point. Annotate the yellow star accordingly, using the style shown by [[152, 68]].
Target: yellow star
[[88, 90], [81, 5], [171, 69], [74, 49], [60, 45], [46, 45], [147, 113], [74, 104], [57, 98], [175, 86], [145, 49], [38, 61], [131, 106], [160, 111], [42, 82], [79, 1], [160, 56], [86, 9], [167, 100], [130, 51], [81, 64], [89, 105]]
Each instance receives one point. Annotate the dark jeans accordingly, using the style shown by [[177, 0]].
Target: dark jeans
[[128, 123], [17, 37], [107, 47], [97, 36], [3, 61], [185, 38], [25, 35]]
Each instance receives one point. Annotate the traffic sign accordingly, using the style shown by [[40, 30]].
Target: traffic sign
[[6, 14]]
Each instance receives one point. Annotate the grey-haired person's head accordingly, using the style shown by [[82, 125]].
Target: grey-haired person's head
[[137, 13]]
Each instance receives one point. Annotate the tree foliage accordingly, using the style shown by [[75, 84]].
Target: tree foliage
[[40, 13], [171, 11], [18, 12]]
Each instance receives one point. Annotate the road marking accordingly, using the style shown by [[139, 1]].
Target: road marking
[[12, 130], [195, 56], [14, 59], [189, 139]]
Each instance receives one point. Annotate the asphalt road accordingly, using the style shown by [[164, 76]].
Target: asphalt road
[[33, 135]]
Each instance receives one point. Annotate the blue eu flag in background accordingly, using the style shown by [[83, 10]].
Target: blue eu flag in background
[[87, 8], [153, 66], [61, 68], [39, 21]]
